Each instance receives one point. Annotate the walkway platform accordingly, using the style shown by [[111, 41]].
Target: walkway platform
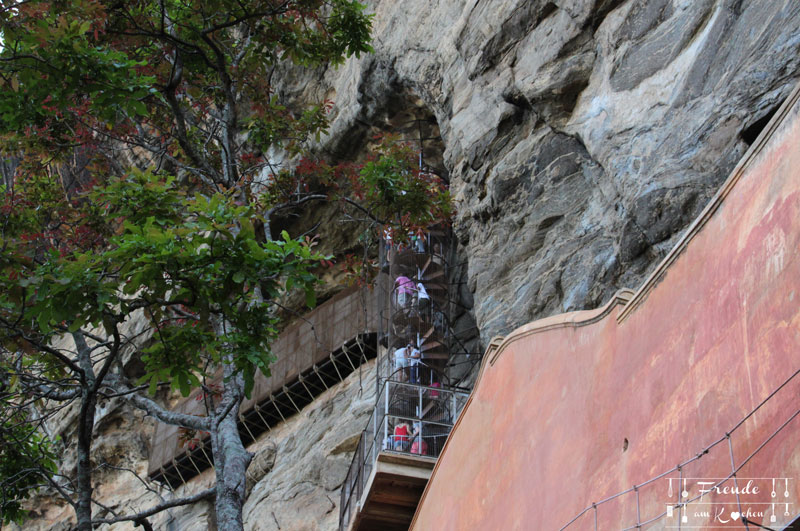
[[313, 354], [392, 492]]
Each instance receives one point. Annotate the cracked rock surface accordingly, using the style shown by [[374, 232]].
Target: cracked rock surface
[[581, 137], [310, 455]]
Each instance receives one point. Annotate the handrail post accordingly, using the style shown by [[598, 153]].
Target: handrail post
[[360, 470], [419, 403], [386, 415]]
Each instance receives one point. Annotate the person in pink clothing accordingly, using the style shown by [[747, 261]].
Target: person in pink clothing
[[419, 448], [405, 289]]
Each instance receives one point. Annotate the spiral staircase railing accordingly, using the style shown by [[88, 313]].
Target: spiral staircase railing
[[418, 396]]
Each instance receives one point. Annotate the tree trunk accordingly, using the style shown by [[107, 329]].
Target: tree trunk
[[84, 480], [231, 460]]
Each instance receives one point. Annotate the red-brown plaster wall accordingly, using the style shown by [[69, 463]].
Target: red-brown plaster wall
[[713, 333]]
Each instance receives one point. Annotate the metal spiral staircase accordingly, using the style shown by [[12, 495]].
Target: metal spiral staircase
[[418, 395]]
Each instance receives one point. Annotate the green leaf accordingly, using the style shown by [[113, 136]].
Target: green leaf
[[311, 298], [249, 380], [184, 384], [138, 107], [247, 229]]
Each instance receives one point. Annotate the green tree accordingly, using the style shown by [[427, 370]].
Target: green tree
[[139, 248], [101, 103], [26, 459], [141, 192]]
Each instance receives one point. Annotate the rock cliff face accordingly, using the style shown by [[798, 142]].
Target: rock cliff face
[[580, 138], [311, 453]]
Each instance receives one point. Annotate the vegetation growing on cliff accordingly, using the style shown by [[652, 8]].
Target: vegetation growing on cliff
[[142, 192], [103, 105]]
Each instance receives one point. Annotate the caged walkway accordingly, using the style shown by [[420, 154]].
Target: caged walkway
[[421, 363], [314, 353], [418, 304]]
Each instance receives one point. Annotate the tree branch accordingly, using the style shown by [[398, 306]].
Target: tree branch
[[180, 118], [140, 516], [42, 347], [288, 204], [364, 210], [113, 352], [154, 409], [47, 392]]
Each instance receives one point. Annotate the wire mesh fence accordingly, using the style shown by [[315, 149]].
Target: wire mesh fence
[[418, 307], [408, 419]]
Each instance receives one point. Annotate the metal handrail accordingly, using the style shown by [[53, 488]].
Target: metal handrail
[[410, 417], [399, 402]]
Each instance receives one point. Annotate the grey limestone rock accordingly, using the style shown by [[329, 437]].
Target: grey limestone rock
[[580, 137]]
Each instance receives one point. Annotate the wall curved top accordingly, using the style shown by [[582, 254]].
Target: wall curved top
[[575, 408]]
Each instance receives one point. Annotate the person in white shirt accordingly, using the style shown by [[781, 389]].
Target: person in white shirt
[[423, 299], [414, 356], [401, 361], [438, 257]]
